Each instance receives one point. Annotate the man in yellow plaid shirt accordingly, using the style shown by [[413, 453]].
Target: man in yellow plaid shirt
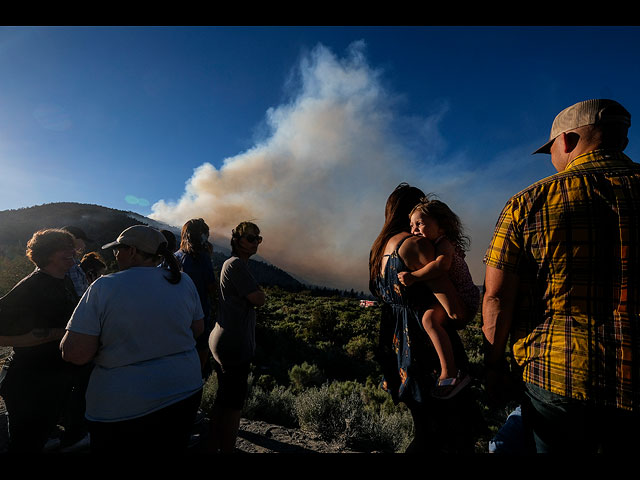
[[563, 281]]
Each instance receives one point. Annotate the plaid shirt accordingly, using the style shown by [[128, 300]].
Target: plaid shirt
[[79, 279], [574, 241]]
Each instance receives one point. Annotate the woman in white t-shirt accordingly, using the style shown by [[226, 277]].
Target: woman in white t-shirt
[[139, 327]]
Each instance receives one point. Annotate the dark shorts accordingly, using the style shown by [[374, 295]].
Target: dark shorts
[[165, 430], [233, 386], [34, 401], [202, 342]]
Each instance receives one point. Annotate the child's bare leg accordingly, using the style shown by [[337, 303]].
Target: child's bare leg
[[449, 299], [433, 321]]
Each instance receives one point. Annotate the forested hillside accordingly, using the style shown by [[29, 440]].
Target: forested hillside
[[102, 225]]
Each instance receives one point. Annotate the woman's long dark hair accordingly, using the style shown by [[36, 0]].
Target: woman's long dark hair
[[191, 237], [396, 220], [171, 262]]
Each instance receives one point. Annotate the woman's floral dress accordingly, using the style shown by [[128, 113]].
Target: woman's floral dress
[[408, 359]]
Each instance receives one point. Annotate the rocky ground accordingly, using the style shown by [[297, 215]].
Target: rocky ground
[[261, 437], [254, 437]]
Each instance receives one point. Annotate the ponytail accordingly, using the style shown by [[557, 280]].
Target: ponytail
[[171, 262]]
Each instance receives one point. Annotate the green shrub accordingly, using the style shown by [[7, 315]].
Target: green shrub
[[209, 391], [266, 382], [338, 413], [304, 376], [320, 412], [321, 325], [360, 348], [275, 406]]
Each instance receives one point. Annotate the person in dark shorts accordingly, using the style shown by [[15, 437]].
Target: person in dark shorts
[[232, 341]]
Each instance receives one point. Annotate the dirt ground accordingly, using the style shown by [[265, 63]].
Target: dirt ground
[[253, 437], [261, 437]]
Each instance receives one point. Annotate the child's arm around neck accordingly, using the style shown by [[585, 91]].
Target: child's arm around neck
[[444, 251]]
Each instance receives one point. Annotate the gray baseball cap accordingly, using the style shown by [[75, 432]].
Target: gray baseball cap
[[143, 237], [588, 112]]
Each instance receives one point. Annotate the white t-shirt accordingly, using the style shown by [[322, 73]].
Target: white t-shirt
[[147, 358]]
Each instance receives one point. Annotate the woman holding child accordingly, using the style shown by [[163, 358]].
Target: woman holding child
[[406, 353]]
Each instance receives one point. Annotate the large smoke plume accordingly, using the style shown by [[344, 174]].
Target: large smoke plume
[[317, 183]]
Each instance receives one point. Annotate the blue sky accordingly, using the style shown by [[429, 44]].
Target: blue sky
[[304, 129]]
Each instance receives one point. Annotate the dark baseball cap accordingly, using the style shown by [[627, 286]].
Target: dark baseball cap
[[77, 232]]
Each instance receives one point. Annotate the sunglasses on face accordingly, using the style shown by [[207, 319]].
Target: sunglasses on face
[[253, 238], [118, 248]]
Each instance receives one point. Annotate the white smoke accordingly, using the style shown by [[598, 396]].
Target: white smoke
[[317, 184]]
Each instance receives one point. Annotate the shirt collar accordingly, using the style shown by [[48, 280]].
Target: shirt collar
[[597, 156]]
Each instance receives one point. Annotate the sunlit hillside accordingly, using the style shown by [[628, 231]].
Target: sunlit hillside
[[102, 225]]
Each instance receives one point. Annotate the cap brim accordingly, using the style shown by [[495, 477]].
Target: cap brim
[[546, 148], [109, 245]]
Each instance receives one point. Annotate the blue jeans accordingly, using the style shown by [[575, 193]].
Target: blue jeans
[[566, 425], [512, 438]]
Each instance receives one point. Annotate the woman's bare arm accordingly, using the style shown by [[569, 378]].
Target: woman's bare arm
[[79, 348], [37, 336]]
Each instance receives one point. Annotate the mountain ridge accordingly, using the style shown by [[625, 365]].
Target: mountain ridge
[[102, 225]]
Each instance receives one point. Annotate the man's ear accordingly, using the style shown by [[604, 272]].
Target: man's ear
[[570, 140]]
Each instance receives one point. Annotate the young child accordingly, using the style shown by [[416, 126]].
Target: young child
[[434, 220]]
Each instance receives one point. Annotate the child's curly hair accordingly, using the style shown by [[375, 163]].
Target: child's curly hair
[[446, 218]]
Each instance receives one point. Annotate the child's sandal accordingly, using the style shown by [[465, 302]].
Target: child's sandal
[[447, 388]]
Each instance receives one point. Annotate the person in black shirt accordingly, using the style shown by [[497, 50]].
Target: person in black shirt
[[33, 317]]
